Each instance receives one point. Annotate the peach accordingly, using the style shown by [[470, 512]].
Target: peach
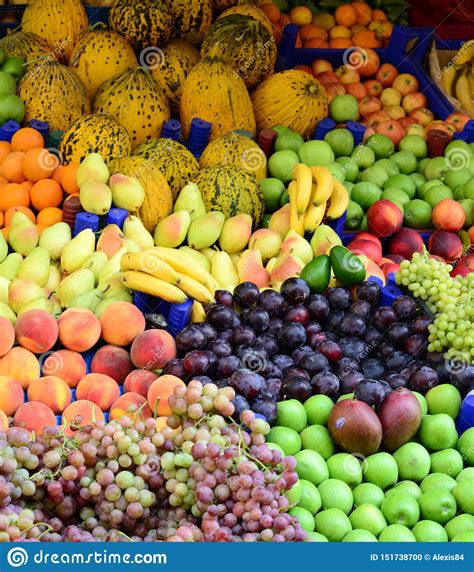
[[11, 394], [369, 105], [386, 74], [139, 381], [121, 323], [390, 268], [79, 414], [112, 361], [20, 364], [7, 336], [98, 388], [384, 218], [152, 349], [52, 391], [374, 87], [79, 329], [34, 416], [3, 421], [364, 235], [160, 391], [132, 405], [446, 245], [406, 242], [68, 365], [405, 83], [367, 247], [448, 215], [358, 90], [392, 129], [422, 115], [36, 331]]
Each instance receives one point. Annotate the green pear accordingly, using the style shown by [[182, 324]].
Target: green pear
[[77, 251], [127, 192], [35, 266], [209, 253], [7, 312], [112, 267], [95, 197], [198, 257], [134, 229], [3, 248], [190, 199], [54, 280], [236, 233], [23, 235], [323, 239], [96, 262], [131, 246], [20, 292], [38, 304], [4, 284], [296, 244], [55, 238], [88, 300], [115, 287], [205, 231], [172, 230], [9, 267], [92, 168], [77, 283]]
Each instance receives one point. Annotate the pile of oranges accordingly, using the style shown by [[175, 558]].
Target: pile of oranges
[[32, 180], [354, 24]]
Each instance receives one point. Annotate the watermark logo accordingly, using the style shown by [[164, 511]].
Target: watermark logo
[[152, 58], [354, 58], [17, 557], [455, 365], [457, 159], [253, 159]]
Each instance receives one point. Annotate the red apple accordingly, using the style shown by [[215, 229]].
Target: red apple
[[377, 117], [423, 115], [394, 112], [407, 121], [347, 75], [369, 105], [358, 90], [441, 125], [413, 100], [405, 83], [391, 129], [416, 129], [320, 66], [328, 78], [390, 96], [386, 74], [374, 87], [369, 130], [458, 120]]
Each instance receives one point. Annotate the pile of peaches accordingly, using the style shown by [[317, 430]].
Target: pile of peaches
[[44, 372]]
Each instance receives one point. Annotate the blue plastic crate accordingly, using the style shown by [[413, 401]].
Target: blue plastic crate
[[98, 14], [18, 10]]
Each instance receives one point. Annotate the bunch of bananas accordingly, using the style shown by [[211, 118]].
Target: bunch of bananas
[[169, 274], [314, 194], [457, 77]]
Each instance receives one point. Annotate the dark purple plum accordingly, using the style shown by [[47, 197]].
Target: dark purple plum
[[416, 345], [397, 360], [314, 363], [274, 387], [223, 382], [344, 365], [334, 320], [175, 367], [423, 379], [298, 354], [312, 328], [372, 368], [246, 295], [293, 335], [221, 317], [298, 313], [283, 362], [268, 343], [404, 308], [296, 372], [353, 347], [339, 298], [383, 318], [385, 349], [204, 379], [190, 338], [395, 380], [318, 307], [272, 371], [296, 388], [271, 301], [295, 290], [240, 404], [361, 308], [331, 351], [265, 406], [225, 335], [224, 297], [349, 381], [353, 325], [315, 340], [369, 291], [227, 366], [208, 331], [372, 391], [255, 360], [462, 376], [275, 326], [420, 325], [198, 362], [326, 383], [372, 336], [243, 335], [434, 358], [398, 334], [258, 320], [247, 383]]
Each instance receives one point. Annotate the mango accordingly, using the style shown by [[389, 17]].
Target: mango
[[127, 192], [296, 244], [267, 242], [93, 169], [95, 197], [54, 239], [35, 266], [235, 233], [77, 251], [250, 269], [204, 232], [172, 230]]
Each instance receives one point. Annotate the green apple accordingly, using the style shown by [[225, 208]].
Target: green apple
[[288, 439], [354, 216], [349, 186], [468, 206], [305, 518], [417, 214], [364, 225], [400, 508], [422, 165], [345, 467], [436, 168], [368, 493], [447, 461], [359, 535], [281, 163], [375, 175], [316, 153], [418, 179], [422, 402], [468, 189], [341, 141], [289, 140], [429, 531], [457, 178], [318, 408], [388, 166], [364, 156], [344, 108], [337, 171], [444, 398], [310, 498], [467, 536], [316, 537], [414, 144], [282, 129], [413, 461], [397, 533], [462, 492], [350, 168], [317, 438], [368, 517], [272, 190], [459, 524], [396, 196], [336, 494], [458, 193], [438, 505], [294, 494], [435, 195], [408, 488], [311, 466], [365, 194], [466, 474], [465, 446], [382, 145], [272, 446], [403, 182], [291, 413], [437, 480], [406, 161], [333, 523], [380, 469], [438, 432]]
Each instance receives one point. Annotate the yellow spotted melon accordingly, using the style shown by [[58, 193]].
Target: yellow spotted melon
[[29, 47], [191, 18], [223, 4], [248, 9]]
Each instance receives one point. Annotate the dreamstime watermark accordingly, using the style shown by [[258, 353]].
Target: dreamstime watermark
[[254, 159], [152, 58], [56, 53], [457, 159], [261, 50], [354, 58]]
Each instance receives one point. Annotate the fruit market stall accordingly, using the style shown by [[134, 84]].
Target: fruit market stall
[[236, 276]]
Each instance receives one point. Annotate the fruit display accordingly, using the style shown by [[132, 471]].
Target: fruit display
[[11, 71], [457, 77]]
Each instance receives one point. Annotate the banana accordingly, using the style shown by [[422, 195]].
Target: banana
[[448, 80], [304, 181], [463, 92], [195, 289], [185, 264], [324, 182], [339, 201], [465, 53], [197, 312], [314, 216], [296, 220], [148, 262], [142, 282]]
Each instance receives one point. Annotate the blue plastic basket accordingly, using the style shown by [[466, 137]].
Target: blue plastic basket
[[97, 14], [18, 10]]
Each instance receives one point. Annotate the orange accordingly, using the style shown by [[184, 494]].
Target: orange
[[50, 216], [12, 167], [340, 43], [12, 210], [1, 220], [46, 193], [325, 20], [378, 15], [284, 20], [57, 173], [346, 15], [28, 185], [358, 28], [3, 181], [366, 39], [13, 195], [364, 12], [5, 148], [309, 31], [68, 178], [272, 12], [381, 28], [5, 232], [26, 138], [339, 32], [39, 164], [40, 228], [301, 15], [316, 43]]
